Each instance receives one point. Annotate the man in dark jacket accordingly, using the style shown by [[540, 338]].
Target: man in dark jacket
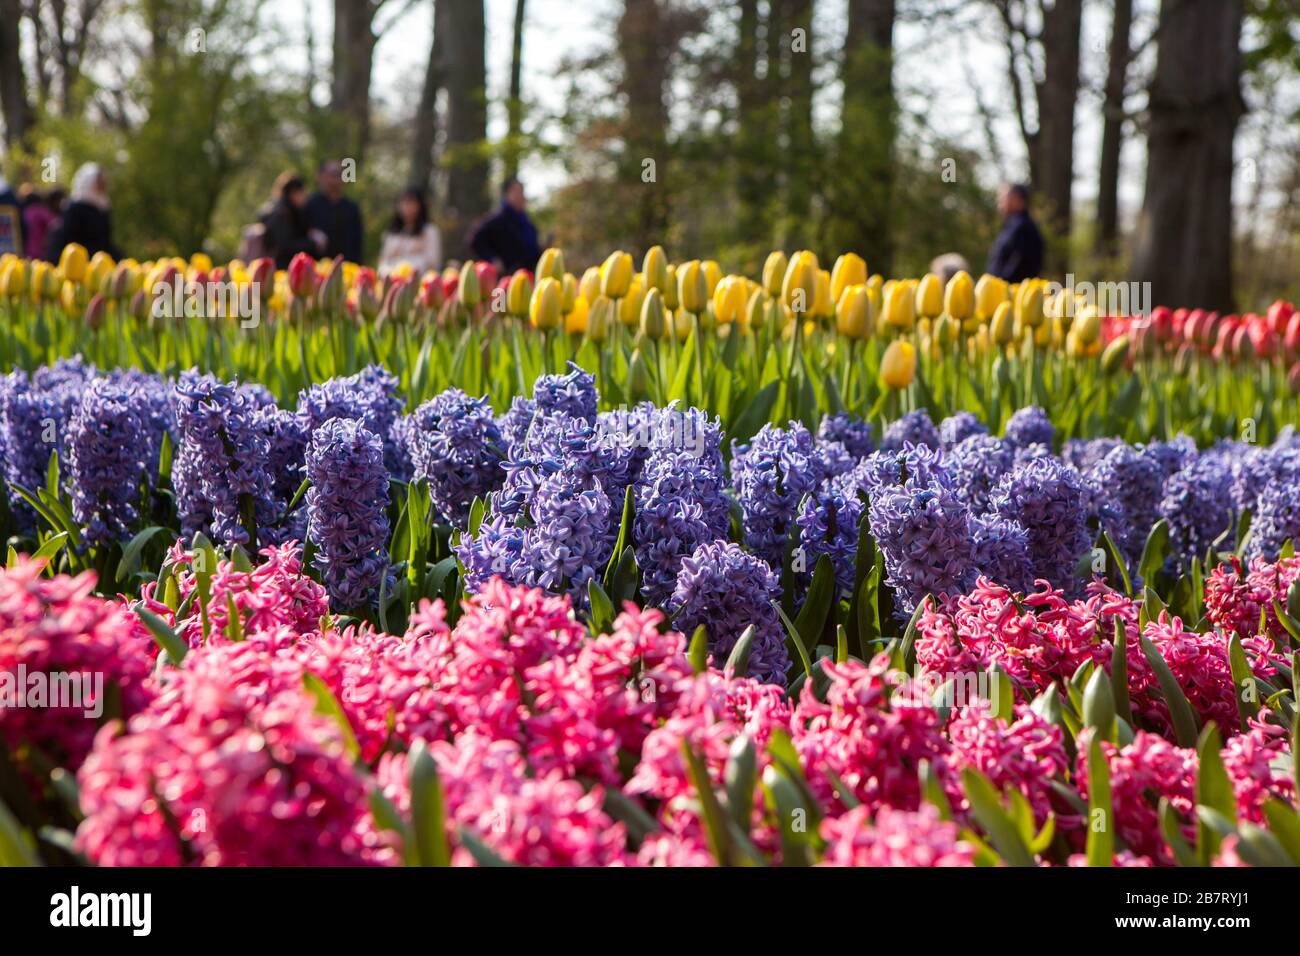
[[334, 214], [11, 220], [507, 238], [1017, 252]]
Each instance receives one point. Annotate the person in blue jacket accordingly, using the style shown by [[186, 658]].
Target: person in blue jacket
[[338, 217], [507, 237], [1017, 252]]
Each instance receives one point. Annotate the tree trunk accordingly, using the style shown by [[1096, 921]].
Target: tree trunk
[[14, 104], [462, 32], [642, 170], [515, 104], [1184, 236], [865, 171], [354, 53], [753, 131], [1112, 130], [800, 146], [426, 115], [1057, 94]]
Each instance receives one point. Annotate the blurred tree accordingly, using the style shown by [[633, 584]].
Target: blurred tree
[[515, 98], [354, 54], [802, 179], [425, 124], [644, 86], [1184, 235], [1112, 128], [15, 107], [465, 156], [868, 121]]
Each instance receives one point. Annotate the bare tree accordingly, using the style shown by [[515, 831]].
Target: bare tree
[[426, 115], [800, 145], [14, 104], [644, 51], [464, 70], [354, 54], [515, 103], [1112, 129], [1184, 235]]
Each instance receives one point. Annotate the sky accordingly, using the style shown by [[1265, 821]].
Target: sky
[[942, 73]]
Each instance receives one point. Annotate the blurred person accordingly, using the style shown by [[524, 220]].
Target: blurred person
[[40, 217], [338, 217], [507, 237], [286, 228], [11, 219], [1017, 252], [87, 219], [410, 237], [948, 265]]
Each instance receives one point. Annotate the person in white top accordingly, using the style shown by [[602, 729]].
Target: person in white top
[[410, 238]]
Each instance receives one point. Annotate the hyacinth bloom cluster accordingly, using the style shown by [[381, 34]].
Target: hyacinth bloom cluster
[[455, 445], [1030, 426], [771, 475], [1196, 503], [828, 525], [1045, 497], [959, 426], [573, 393], [223, 487], [55, 629], [914, 428], [346, 510], [108, 464], [728, 590], [1237, 599], [370, 397]]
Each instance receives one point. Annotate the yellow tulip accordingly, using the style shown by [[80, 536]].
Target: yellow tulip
[[929, 296], [599, 318], [692, 287], [1112, 358], [756, 309], [670, 287], [629, 307], [544, 310], [201, 262], [823, 304], [1029, 306], [712, 275], [729, 300], [900, 307], [898, 364], [575, 320], [569, 287], [990, 292], [550, 265], [73, 261], [13, 277], [1087, 327], [959, 297], [616, 275], [946, 330], [680, 324], [654, 322], [519, 292], [1001, 326], [799, 288], [774, 272], [589, 284], [850, 269], [854, 312], [654, 269]]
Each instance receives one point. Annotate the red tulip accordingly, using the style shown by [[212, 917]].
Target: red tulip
[[487, 275], [1279, 315], [1292, 339], [302, 275], [432, 292]]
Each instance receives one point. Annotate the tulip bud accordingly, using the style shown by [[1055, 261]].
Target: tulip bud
[[670, 288], [900, 306], [990, 292], [1029, 309], [638, 377], [544, 309], [1293, 379], [599, 319], [1087, 327], [616, 275], [959, 297], [1001, 328], [13, 278], [653, 321], [898, 364], [854, 313], [756, 309], [774, 272], [823, 304], [799, 288], [929, 296], [519, 293], [712, 275], [468, 290], [331, 293], [95, 311], [1292, 339], [692, 287], [729, 300], [73, 262], [1112, 358], [654, 269], [551, 264], [569, 288], [302, 276], [629, 307], [946, 330], [850, 270], [575, 320]]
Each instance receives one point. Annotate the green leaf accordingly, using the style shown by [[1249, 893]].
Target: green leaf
[[51, 547], [715, 825], [17, 847], [1284, 821], [130, 562], [602, 609], [1213, 791], [327, 705], [1172, 829], [987, 810], [483, 854], [1245, 687], [811, 619], [792, 635], [698, 652], [1099, 705], [163, 634], [739, 777], [738, 659], [1154, 551], [1180, 711], [786, 804], [428, 809], [624, 536], [1119, 672], [1101, 822]]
